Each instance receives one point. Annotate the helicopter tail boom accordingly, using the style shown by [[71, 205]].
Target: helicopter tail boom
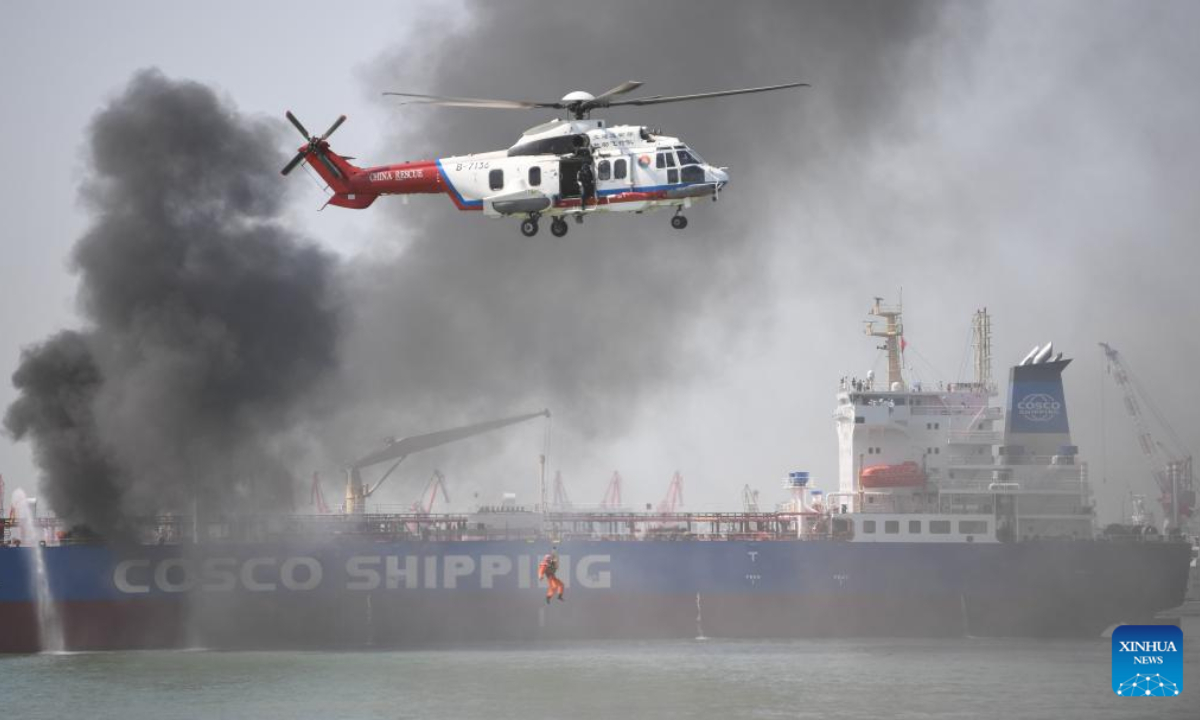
[[357, 188], [343, 178]]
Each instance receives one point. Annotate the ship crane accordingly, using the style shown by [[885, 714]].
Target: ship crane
[[358, 491], [1171, 467], [612, 494], [674, 496], [423, 505]]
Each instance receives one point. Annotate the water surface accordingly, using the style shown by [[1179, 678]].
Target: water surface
[[886, 678]]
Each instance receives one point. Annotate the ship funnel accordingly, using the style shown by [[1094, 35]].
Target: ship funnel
[[1036, 423]]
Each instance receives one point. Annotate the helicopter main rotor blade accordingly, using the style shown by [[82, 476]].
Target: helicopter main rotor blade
[[336, 124], [299, 126], [472, 102], [295, 161], [627, 86], [659, 99]]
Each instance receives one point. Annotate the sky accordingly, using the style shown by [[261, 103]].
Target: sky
[[1035, 159]]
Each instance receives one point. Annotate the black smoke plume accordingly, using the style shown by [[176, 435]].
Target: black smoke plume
[[207, 323]]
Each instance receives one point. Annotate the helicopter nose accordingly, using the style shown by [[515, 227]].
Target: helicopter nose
[[720, 176]]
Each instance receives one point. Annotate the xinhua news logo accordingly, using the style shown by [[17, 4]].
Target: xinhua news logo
[[1147, 661]]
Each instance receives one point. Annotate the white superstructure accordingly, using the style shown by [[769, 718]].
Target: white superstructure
[[941, 464]]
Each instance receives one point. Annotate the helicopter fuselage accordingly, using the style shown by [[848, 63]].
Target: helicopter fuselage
[[563, 167]]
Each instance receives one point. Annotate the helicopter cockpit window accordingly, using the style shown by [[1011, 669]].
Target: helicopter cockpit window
[[603, 170], [619, 169], [665, 159], [496, 179], [692, 174], [535, 176], [686, 158]]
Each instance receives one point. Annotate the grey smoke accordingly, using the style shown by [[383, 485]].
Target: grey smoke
[[207, 323], [473, 319], [1040, 163]]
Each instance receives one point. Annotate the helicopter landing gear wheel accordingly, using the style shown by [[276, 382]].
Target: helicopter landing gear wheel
[[559, 227], [678, 222], [529, 227]]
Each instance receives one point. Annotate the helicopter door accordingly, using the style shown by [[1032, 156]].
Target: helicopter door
[[568, 177]]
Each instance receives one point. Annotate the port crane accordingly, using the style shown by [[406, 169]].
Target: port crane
[[317, 497], [674, 496], [561, 503], [423, 505], [1171, 467], [749, 499], [612, 494]]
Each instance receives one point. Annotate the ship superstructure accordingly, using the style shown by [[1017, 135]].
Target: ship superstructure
[[942, 464]]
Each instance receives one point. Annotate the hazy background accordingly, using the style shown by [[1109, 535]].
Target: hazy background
[[1036, 159]]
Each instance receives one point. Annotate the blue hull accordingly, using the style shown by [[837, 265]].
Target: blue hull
[[409, 592]]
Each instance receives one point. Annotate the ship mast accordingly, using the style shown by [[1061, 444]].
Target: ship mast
[[893, 334], [981, 342]]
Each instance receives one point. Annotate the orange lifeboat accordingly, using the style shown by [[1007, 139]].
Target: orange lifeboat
[[905, 474]]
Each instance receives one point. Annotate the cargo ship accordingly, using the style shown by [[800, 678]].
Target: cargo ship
[[951, 516]]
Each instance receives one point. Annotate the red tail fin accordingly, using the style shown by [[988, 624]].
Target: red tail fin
[[336, 170], [339, 174]]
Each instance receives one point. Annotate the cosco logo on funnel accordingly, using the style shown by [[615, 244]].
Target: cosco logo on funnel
[[1039, 407]]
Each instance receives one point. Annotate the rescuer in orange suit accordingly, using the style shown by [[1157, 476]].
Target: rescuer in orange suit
[[547, 569]]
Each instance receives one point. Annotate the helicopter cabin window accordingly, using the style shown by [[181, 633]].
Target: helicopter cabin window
[[535, 176], [665, 160], [603, 170], [672, 176], [620, 169], [496, 179]]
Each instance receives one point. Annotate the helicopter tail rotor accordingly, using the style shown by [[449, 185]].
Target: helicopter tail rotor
[[317, 146]]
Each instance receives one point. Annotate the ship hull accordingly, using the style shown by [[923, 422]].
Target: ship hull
[[407, 594]]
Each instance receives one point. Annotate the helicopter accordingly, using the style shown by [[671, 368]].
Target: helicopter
[[564, 168]]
